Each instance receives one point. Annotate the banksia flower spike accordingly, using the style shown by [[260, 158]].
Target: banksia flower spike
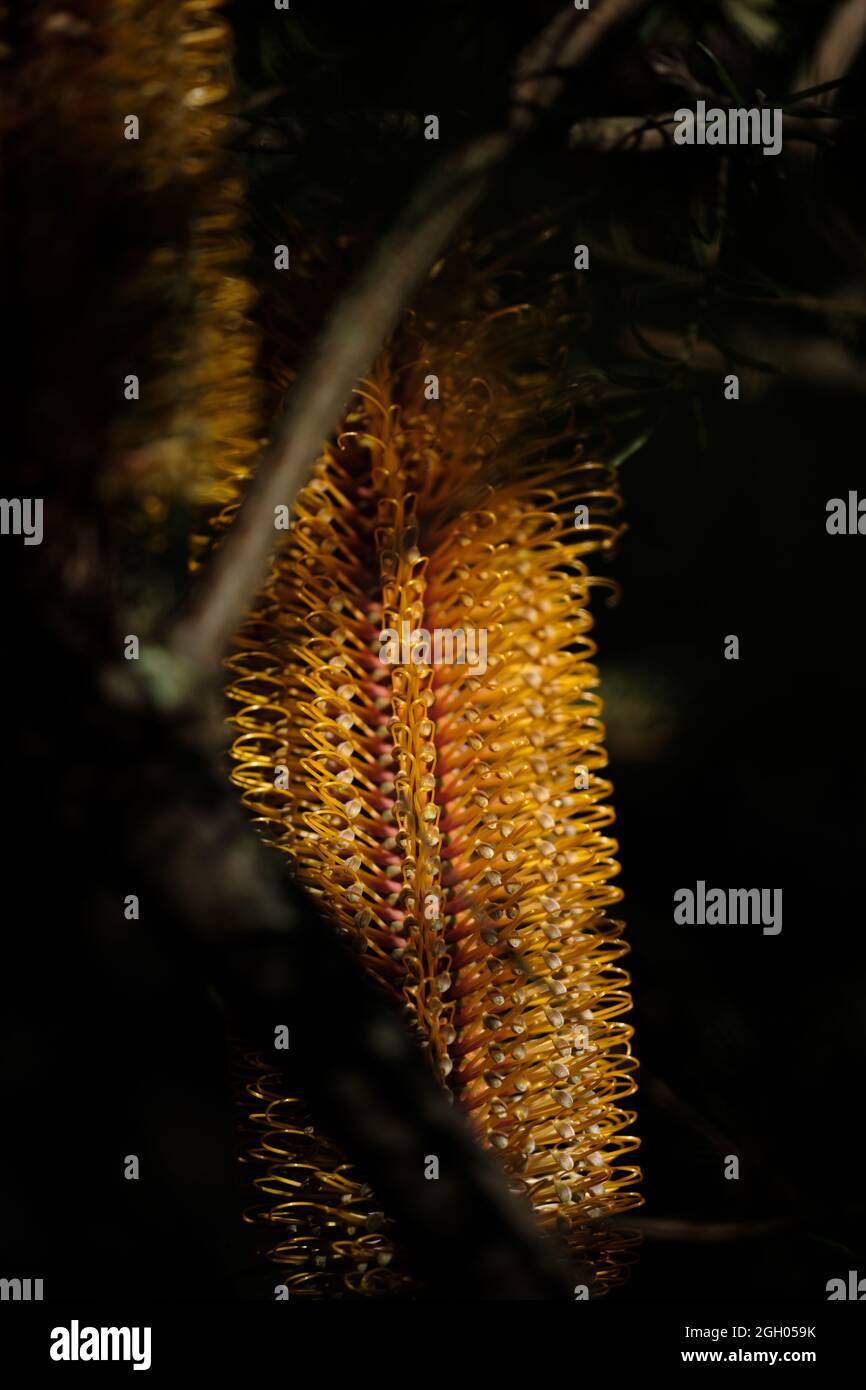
[[129, 100], [419, 730]]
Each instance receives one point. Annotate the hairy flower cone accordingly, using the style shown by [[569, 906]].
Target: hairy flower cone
[[433, 809]]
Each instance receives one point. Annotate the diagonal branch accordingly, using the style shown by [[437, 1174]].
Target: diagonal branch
[[222, 899], [640, 134], [542, 70], [834, 55], [359, 325], [837, 49], [818, 360]]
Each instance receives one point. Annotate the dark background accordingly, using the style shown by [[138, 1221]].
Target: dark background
[[745, 773]]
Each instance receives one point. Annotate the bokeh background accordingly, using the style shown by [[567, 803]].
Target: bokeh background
[[742, 773]]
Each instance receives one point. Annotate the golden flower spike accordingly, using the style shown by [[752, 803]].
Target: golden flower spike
[[121, 110], [451, 819]]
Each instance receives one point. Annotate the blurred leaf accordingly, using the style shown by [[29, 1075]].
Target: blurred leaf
[[723, 75], [740, 359], [670, 64], [630, 449], [814, 91], [706, 223], [758, 20], [653, 351], [737, 358]]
